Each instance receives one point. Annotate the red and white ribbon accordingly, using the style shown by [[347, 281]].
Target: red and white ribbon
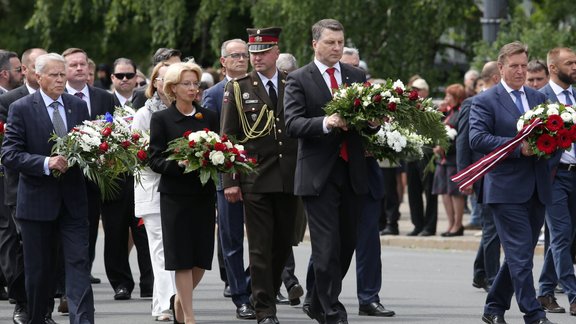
[[477, 170]]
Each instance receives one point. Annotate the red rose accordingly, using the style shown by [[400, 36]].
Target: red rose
[[228, 165], [191, 144], [142, 155], [252, 160], [204, 163], [546, 143], [367, 84], [206, 155], [399, 90], [377, 98], [224, 138], [103, 147], [135, 137], [187, 133], [206, 130], [564, 138], [554, 123], [74, 129], [106, 131], [357, 102], [220, 147], [125, 144], [413, 95], [234, 151], [392, 106]]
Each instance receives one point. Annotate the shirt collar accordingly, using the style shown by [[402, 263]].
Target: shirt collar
[[73, 91], [509, 90], [265, 80], [558, 89], [30, 89], [323, 67], [47, 100]]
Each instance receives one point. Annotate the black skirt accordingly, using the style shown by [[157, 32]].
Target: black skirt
[[188, 230]]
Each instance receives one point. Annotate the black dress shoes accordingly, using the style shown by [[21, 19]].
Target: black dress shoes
[[313, 313], [481, 283], [281, 300], [227, 293], [269, 320], [94, 280], [122, 294], [245, 311], [389, 230], [543, 321], [375, 309], [3, 293], [493, 319], [294, 294], [415, 232], [20, 315], [426, 233]]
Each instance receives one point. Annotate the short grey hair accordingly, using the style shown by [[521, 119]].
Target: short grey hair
[[223, 51], [350, 51], [44, 59], [286, 62], [319, 27]]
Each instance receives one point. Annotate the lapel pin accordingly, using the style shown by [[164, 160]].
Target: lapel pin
[[245, 95]]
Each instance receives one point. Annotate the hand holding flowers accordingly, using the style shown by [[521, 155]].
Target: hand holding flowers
[[209, 154]]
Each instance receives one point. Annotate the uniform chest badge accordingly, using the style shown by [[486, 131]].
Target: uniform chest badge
[[253, 116], [245, 95], [253, 101]]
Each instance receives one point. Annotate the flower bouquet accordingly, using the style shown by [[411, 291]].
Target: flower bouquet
[[390, 101], [556, 131], [209, 154], [104, 149], [395, 143]]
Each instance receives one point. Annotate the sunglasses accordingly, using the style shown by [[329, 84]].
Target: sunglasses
[[121, 76]]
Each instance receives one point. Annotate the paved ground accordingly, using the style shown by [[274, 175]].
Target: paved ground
[[425, 280]]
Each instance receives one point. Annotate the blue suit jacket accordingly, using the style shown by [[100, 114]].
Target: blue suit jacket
[[212, 98], [26, 145], [493, 119]]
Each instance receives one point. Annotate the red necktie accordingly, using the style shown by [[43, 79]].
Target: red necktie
[[334, 88]]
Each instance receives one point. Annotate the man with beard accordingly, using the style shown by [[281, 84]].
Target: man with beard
[[10, 71], [561, 213]]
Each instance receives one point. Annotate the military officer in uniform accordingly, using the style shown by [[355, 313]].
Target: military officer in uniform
[[253, 113]]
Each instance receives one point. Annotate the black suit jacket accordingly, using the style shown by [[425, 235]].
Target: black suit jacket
[[101, 102], [305, 96], [166, 125], [26, 145], [8, 98]]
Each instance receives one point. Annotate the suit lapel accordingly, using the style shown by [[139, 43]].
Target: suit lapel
[[281, 85], [320, 83], [345, 73], [506, 102], [39, 107]]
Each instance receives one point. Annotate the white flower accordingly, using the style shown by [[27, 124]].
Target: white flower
[[366, 103], [386, 94], [376, 86], [538, 111], [553, 106], [217, 157], [398, 84], [566, 117], [394, 99], [194, 136], [229, 144], [520, 124], [570, 110], [552, 111], [239, 147], [396, 141], [528, 115], [451, 132]]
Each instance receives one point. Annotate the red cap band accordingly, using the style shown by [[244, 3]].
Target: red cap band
[[262, 39]]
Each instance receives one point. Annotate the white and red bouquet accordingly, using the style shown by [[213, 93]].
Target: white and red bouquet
[[209, 154], [556, 130], [104, 149]]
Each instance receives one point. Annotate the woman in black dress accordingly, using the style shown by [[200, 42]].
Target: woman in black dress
[[186, 206]]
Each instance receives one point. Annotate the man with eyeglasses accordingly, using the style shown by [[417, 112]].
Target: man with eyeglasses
[[99, 102], [118, 213], [10, 71], [234, 59]]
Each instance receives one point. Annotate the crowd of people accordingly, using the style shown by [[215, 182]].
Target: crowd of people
[[312, 172]]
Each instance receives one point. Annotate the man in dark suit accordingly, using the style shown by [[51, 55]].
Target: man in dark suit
[[99, 102], [11, 256], [234, 59], [487, 261], [50, 208], [331, 171], [561, 213], [516, 190], [118, 213], [253, 112]]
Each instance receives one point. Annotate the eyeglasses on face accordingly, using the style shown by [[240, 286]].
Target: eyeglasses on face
[[121, 76], [188, 84], [237, 56]]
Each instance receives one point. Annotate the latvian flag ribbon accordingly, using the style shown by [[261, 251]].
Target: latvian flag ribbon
[[477, 170]]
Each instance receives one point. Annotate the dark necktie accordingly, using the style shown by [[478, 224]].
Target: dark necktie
[[333, 82], [518, 101], [57, 120], [79, 95], [272, 93], [568, 100]]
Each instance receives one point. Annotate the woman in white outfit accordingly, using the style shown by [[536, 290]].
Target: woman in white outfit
[[147, 200]]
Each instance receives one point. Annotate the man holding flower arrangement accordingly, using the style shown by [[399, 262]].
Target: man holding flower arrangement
[[516, 190], [253, 113]]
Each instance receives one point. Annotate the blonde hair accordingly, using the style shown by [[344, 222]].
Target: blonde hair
[[151, 89], [173, 76]]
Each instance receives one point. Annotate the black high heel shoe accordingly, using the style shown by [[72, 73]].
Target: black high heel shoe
[[173, 311], [459, 232]]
